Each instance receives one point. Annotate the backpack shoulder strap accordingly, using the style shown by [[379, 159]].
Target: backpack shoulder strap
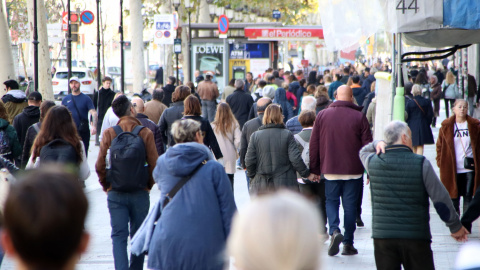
[[300, 140], [36, 126], [137, 130], [117, 129]]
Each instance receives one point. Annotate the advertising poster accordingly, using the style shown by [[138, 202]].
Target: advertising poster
[[209, 57]]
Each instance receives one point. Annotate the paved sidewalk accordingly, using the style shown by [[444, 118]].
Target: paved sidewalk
[[99, 254]]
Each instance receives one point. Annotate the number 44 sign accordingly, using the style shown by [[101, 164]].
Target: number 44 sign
[[415, 15]]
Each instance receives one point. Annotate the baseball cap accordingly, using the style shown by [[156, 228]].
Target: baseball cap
[[36, 96], [74, 79], [209, 73]]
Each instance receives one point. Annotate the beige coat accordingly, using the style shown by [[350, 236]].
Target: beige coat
[[229, 146]]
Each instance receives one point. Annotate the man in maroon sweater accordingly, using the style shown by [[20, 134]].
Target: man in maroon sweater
[[339, 132]]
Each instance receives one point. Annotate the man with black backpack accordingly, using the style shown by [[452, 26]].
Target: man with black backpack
[[124, 166]]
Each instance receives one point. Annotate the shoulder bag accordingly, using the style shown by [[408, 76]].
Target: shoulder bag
[[468, 162], [84, 126], [180, 184], [419, 106]]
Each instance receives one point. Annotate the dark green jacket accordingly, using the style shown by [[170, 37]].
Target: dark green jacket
[[13, 148]]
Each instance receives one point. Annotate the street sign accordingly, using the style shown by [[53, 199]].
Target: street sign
[[223, 24], [177, 48], [175, 20], [276, 14], [65, 21], [163, 29], [87, 17]]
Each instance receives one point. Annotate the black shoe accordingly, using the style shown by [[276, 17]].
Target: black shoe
[[359, 222], [335, 241], [348, 249]]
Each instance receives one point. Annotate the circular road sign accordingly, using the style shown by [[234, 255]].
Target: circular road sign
[[167, 34], [87, 17], [159, 34], [223, 24]]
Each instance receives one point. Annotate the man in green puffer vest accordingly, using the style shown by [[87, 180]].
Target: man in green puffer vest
[[401, 183]]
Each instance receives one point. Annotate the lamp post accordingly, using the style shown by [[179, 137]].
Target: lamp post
[[189, 7], [176, 4], [122, 64], [98, 47], [35, 45]]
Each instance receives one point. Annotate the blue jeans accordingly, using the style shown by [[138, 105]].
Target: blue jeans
[[124, 208], [349, 191], [209, 108], [248, 180]]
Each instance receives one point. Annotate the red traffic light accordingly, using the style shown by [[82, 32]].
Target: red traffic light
[[73, 17]]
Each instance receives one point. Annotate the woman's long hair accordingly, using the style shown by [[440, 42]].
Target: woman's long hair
[[58, 124], [3, 111], [225, 121]]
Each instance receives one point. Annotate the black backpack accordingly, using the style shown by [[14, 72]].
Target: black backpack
[[128, 170], [59, 151]]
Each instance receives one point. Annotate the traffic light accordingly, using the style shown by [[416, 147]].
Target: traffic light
[[74, 25]]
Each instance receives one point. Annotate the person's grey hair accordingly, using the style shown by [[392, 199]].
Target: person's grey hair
[[309, 103], [184, 131], [284, 235], [394, 131], [239, 83], [434, 78], [416, 90]]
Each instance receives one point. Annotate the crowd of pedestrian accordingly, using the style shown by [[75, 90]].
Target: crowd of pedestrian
[[304, 141]]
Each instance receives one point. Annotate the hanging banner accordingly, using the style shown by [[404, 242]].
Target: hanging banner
[[163, 29]]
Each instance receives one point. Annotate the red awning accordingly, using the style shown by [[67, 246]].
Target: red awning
[[292, 33]]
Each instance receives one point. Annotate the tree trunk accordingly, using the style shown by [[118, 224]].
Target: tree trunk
[[7, 70], [185, 51], [138, 62], [204, 17], [168, 51], [44, 65]]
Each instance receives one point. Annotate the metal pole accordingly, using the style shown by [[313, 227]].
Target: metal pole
[[35, 45], [122, 64], [69, 47], [189, 47], [99, 77], [178, 83]]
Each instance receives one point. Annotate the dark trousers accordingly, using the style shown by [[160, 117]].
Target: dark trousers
[[230, 176], [86, 140], [360, 200], [316, 192], [448, 108], [391, 254], [473, 211], [465, 185]]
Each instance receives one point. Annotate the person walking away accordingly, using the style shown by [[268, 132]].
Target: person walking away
[[102, 101], [168, 90], [400, 223], [339, 132], [155, 108], [58, 142], [420, 115], [334, 85], [272, 164], [206, 194], [281, 99], [80, 106], [29, 116], [240, 102], [110, 119], [264, 247], [457, 143], [436, 96], [294, 124], [315, 191], [124, 167], [208, 92], [249, 128], [228, 90], [228, 134], [193, 111], [58, 207], [158, 78], [139, 107], [175, 112], [450, 91], [15, 100], [10, 147], [32, 132], [422, 80], [358, 91], [472, 92]]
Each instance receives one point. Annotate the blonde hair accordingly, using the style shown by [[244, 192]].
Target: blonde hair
[[273, 115], [328, 78], [450, 78], [416, 90], [285, 235]]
